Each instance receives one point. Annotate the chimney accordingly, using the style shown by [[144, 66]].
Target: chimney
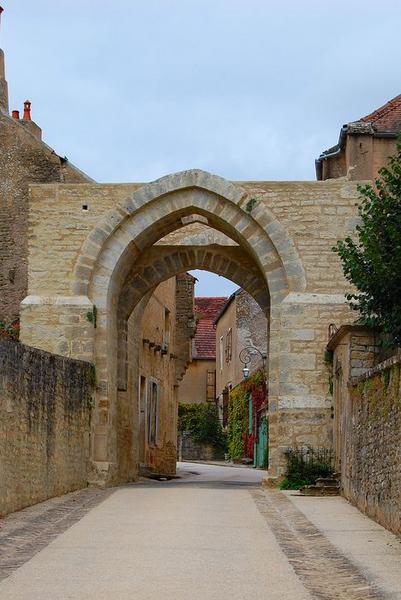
[[15, 115], [27, 110], [3, 82], [28, 123]]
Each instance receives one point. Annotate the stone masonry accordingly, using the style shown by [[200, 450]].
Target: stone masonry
[[45, 410], [24, 159], [367, 425], [80, 258]]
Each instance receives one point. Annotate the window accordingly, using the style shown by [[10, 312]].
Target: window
[[142, 417], [229, 346], [221, 352], [210, 386], [153, 412]]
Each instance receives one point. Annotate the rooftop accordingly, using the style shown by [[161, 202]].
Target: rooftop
[[206, 310], [387, 118]]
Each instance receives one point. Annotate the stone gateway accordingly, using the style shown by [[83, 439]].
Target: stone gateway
[[100, 249]]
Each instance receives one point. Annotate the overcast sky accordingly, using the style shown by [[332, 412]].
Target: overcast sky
[[131, 90]]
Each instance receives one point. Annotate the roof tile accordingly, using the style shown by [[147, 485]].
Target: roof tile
[[206, 310], [387, 118]]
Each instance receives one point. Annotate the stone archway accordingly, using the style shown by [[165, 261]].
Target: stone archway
[[104, 270], [103, 260]]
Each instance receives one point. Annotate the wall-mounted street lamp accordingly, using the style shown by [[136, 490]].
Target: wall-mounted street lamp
[[245, 357]]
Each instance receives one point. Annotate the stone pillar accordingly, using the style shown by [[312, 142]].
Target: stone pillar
[[300, 400], [354, 350]]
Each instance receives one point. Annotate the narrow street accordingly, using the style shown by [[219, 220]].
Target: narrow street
[[214, 533]]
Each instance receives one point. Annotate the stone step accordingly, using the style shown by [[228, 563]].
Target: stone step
[[327, 481], [315, 490]]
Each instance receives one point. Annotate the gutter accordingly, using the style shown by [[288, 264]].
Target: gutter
[[335, 151], [348, 129]]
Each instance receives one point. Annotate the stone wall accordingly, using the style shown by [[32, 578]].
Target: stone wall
[[367, 424], [185, 323], [286, 228], [157, 365], [24, 160], [372, 469], [44, 425], [244, 324], [189, 450]]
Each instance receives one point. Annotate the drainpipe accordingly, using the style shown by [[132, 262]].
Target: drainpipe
[[338, 149]]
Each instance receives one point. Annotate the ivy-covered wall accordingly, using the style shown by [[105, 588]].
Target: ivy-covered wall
[[244, 417], [45, 407], [371, 469]]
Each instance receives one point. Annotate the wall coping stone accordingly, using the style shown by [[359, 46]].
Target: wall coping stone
[[342, 332], [386, 364]]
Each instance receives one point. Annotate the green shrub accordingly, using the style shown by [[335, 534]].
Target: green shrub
[[202, 422], [305, 465]]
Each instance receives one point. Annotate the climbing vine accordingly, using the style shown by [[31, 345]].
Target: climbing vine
[[10, 330], [241, 441]]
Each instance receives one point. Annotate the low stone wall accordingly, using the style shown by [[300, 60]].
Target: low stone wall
[[188, 449], [45, 410], [371, 469]]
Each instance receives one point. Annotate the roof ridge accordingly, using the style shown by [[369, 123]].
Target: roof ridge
[[382, 110]]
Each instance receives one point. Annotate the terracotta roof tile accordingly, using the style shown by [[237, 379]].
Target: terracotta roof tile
[[206, 310], [387, 118]]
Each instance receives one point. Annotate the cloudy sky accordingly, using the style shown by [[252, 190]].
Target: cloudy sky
[[131, 90]]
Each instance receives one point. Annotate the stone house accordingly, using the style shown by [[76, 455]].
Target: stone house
[[24, 159], [363, 146], [241, 323], [157, 378], [199, 382], [165, 317]]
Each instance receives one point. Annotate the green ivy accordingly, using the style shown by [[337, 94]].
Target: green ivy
[[237, 421], [250, 205], [238, 413]]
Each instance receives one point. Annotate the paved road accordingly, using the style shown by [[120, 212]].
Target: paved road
[[212, 534]]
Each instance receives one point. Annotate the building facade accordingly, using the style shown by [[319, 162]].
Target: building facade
[[199, 382], [24, 159], [364, 146], [240, 324]]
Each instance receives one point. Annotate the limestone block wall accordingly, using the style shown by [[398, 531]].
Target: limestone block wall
[[371, 470], [315, 215], [287, 228], [24, 159], [300, 400], [45, 407]]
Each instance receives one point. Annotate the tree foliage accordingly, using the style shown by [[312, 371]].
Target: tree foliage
[[202, 422], [372, 260]]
